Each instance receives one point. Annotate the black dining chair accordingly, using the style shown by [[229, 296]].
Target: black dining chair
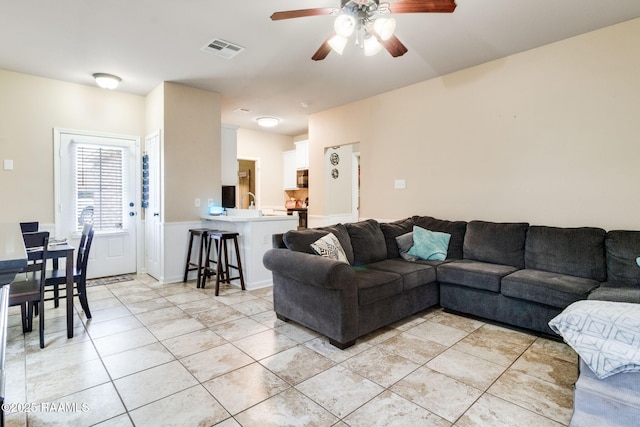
[[58, 276], [29, 227], [28, 289]]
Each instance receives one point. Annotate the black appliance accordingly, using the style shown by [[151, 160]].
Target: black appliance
[[228, 196]]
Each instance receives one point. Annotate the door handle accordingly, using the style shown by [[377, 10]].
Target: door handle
[[156, 214], [132, 213]]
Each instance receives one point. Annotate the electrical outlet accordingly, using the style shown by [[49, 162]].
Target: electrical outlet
[[197, 203], [399, 184], [209, 202]]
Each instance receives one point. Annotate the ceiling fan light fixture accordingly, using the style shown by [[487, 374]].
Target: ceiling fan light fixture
[[107, 81], [344, 25], [268, 122], [371, 45], [384, 27], [338, 43]]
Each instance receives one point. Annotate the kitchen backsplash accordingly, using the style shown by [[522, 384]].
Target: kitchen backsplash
[[301, 194]]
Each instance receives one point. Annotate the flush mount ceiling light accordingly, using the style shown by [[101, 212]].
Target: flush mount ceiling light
[[268, 122], [370, 21], [107, 81]]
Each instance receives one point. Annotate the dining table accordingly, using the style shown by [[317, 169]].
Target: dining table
[[55, 251]]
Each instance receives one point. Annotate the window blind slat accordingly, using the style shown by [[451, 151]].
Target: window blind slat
[[99, 181]]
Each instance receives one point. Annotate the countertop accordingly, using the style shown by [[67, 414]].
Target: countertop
[[13, 257], [264, 218]]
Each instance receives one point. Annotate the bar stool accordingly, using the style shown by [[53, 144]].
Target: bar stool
[[221, 269], [201, 235]]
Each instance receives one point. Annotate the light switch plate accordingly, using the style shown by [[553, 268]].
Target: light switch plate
[[8, 165]]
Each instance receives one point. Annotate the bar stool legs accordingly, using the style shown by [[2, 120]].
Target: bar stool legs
[[201, 235], [222, 265]]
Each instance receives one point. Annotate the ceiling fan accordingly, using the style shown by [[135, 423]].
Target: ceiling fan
[[371, 22]]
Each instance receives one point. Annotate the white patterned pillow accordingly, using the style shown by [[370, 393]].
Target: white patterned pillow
[[605, 334], [329, 246]]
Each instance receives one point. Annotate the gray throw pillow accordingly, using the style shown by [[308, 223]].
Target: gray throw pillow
[[405, 243], [367, 241], [391, 230]]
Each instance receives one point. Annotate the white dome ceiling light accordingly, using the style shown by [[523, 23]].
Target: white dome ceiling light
[[107, 81]]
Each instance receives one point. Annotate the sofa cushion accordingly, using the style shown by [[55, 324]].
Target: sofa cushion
[[573, 251], [375, 285], [622, 249], [301, 240], [367, 241], [391, 231], [498, 243], [329, 246], [455, 228], [556, 290], [474, 274], [405, 243], [413, 274], [429, 245], [608, 291]]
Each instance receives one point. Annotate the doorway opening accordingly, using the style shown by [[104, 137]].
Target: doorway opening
[[96, 176], [247, 183]]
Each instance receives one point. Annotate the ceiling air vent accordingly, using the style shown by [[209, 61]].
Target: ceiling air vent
[[222, 48]]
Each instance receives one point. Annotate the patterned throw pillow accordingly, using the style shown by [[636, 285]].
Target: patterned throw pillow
[[329, 246]]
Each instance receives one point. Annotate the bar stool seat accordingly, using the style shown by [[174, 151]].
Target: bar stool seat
[[201, 235], [222, 267]]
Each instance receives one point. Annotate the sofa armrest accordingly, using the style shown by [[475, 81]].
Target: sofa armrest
[[314, 270]]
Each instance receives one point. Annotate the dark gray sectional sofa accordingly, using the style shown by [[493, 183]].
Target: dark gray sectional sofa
[[514, 273]]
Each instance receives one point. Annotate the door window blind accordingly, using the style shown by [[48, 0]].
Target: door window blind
[[99, 186]]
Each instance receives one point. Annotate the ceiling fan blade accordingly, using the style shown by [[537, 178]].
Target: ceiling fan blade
[[419, 6], [394, 46], [322, 51], [301, 13]]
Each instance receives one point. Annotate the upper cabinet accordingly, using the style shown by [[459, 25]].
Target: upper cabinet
[[289, 160], [302, 154]]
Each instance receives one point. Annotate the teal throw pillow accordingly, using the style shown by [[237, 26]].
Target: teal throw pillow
[[429, 245]]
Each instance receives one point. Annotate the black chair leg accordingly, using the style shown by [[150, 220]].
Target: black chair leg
[[56, 295], [41, 328], [30, 315], [23, 315], [82, 296]]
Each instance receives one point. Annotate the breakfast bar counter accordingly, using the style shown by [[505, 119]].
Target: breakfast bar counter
[[255, 239]]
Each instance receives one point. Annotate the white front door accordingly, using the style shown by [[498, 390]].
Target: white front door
[[153, 254], [97, 179]]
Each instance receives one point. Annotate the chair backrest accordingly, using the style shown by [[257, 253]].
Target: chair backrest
[[30, 227], [84, 248], [37, 243]]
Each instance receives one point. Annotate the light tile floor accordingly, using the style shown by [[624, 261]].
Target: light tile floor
[[174, 355]]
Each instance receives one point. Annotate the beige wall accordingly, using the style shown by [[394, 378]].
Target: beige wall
[[268, 149], [339, 191], [191, 151], [30, 108], [548, 136]]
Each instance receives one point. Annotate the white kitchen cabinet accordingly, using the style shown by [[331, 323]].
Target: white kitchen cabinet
[[302, 154], [289, 170]]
